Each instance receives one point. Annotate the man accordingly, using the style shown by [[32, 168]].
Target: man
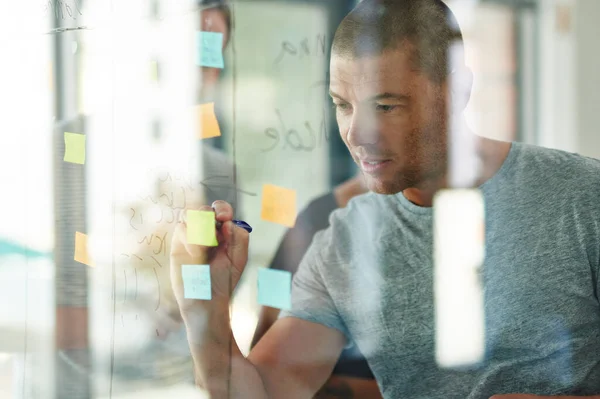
[[368, 278]]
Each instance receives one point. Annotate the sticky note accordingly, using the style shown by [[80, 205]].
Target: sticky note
[[278, 205], [196, 281], [50, 76], [201, 228], [209, 126], [81, 249], [275, 288], [74, 148], [210, 49], [154, 71]]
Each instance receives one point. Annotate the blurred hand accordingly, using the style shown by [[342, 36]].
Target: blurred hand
[[227, 260]]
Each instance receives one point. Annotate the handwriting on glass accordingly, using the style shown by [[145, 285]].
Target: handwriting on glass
[[295, 140], [170, 207], [305, 48], [63, 8], [135, 295], [164, 209]]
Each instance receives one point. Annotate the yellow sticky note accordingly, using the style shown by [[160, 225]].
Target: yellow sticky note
[[201, 228], [154, 73], [50, 76], [209, 126], [278, 205], [81, 249], [74, 148]]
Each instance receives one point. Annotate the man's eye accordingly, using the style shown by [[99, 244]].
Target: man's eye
[[341, 106], [385, 107]]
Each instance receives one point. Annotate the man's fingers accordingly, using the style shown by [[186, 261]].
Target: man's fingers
[[231, 251], [223, 211]]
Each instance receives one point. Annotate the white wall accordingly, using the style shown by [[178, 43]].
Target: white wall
[[557, 71]]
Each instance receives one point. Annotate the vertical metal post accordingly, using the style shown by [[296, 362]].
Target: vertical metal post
[[72, 365]]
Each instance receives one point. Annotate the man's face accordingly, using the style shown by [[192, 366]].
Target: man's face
[[391, 118]]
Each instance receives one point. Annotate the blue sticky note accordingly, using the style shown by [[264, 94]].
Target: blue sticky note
[[275, 288], [210, 49], [196, 281]]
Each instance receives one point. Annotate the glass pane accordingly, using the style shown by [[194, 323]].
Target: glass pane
[[299, 198]]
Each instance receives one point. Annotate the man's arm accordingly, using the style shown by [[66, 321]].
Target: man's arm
[[294, 358], [337, 386]]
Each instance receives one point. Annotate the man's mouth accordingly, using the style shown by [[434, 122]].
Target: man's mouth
[[373, 166]]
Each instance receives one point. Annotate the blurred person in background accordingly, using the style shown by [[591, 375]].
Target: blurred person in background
[[351, 376]]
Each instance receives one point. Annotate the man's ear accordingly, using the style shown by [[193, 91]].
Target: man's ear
[[460, 84]]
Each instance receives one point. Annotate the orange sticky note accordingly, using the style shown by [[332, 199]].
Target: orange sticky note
[[278, 205], [209, 126], [81, 249]]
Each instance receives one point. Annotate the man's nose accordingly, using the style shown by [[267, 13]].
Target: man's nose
[[363, 129]]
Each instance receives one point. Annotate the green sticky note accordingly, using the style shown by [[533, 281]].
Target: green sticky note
[[201, 228], [210, 49], [74, 148], [196, 282], [275, 288]]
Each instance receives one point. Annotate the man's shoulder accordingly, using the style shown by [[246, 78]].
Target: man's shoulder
[[554, 166], [559, 174], [566, 160]]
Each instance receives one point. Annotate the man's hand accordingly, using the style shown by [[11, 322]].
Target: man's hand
[[227, 260], [219, 366]]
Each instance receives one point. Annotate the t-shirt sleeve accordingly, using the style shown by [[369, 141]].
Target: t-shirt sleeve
[[311, 300]]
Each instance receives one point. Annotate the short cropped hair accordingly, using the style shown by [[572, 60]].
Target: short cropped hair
[[429, 27]]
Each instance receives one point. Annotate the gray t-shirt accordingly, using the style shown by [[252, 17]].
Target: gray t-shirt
[[370, 275]]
